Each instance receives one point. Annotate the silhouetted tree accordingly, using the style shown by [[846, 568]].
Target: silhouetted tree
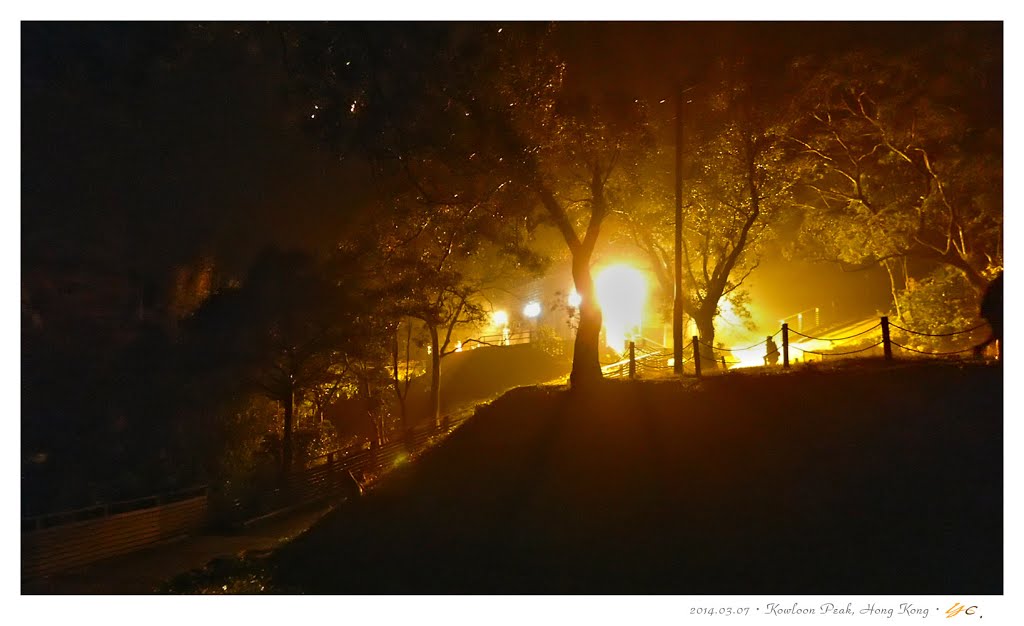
[[904, 162], [284, 331], [737, 186], [439, 264], [467, 109]]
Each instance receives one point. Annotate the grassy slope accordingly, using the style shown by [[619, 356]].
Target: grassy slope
[[474, 375], [874, 480]]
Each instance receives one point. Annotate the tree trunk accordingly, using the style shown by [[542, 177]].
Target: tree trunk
[[286, 441], [398, 379], [435, 375], [892, 289], [371, 410], [953, 258], [705, 320], [974, 277], [586, 361]]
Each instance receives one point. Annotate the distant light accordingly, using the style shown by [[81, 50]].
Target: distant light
[[621, 294], [499, 30], [499, 319], [316, 106], [458, 346], [661, 102], [532, 309], [313, 116], [575, 299], [352, 109], [671, 361]]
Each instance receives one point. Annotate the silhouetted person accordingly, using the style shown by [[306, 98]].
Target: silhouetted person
[[771, 356], [992, 312]]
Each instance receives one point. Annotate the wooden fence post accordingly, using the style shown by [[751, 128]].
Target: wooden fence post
[[696, 356], [886, 343], [785, 345], [632, 360]]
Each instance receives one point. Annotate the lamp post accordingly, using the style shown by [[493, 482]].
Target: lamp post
[[677, 302], [500, 320]]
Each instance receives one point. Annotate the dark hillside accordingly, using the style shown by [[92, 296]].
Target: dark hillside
[[871, 480]]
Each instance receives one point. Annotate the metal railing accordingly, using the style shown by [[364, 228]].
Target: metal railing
[[56, 542], [100, 511], [336, 474], [510, 339], [60, 541]]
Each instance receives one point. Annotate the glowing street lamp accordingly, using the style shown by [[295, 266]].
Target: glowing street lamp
[[575, 299], [499, 319], [532, 311]]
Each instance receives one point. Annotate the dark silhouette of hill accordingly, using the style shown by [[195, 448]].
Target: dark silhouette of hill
[[871, 480]]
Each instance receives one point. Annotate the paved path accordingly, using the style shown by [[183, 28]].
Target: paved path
[[142, 572]]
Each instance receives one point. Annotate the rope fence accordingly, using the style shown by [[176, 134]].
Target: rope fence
[[642, 360], [863, 332], [837, 353], [959, 332], [759, 343], [971, 349]]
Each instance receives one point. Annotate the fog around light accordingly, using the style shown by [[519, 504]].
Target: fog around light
[[621, 293]]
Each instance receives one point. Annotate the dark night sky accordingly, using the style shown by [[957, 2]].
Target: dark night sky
[[646, 57], [162, 150], [141, 150]]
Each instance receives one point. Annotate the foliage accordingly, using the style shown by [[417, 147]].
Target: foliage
[[738, 187], [226, 575], [942, 302], [898, 165], [548, 341], [290, 327], [245, 450], [491, 120]]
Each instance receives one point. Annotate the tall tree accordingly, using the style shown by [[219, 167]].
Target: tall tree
[[441, 263], [468, 108], [284, 331], [904, 161], [737, 187]]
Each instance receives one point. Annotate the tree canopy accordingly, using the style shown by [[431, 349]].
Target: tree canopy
[[900, 166]]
